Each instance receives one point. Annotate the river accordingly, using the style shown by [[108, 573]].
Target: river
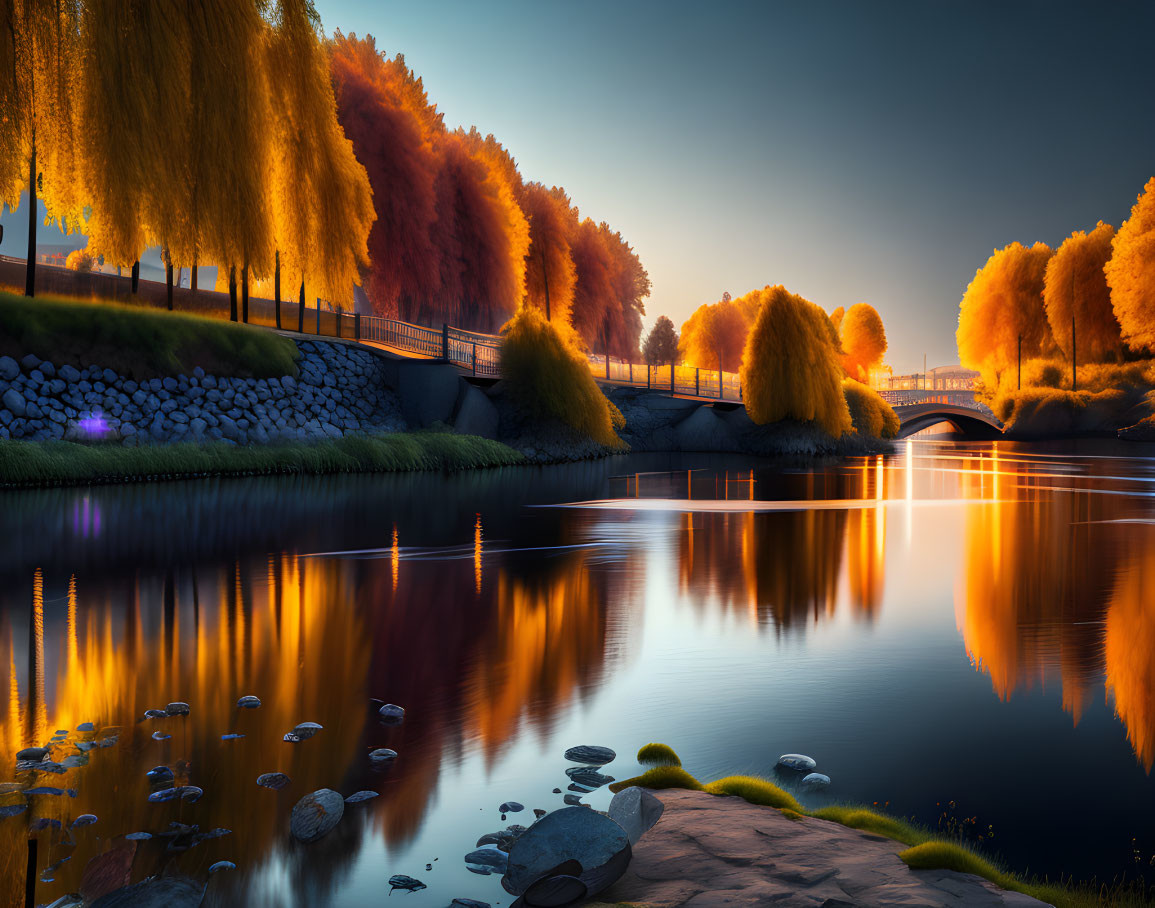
[[961, 633]]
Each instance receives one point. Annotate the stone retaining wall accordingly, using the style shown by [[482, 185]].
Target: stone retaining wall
[[340, 389]]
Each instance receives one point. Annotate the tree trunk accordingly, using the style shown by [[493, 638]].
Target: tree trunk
[[245, 293], [277, 286], [301, 310], [232, 293], [30, 270], [192, 281], [168, 279], [135, 276], [545, 280]]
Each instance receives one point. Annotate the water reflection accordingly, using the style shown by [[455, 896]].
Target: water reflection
[[495, 625]]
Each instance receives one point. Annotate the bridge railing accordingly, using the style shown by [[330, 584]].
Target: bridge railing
[[688, 380]]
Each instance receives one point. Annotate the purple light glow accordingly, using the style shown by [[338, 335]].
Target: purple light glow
[[93, 425]]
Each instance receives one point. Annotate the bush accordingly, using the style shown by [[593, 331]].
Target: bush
[[791, 368], [754, 790], [658, 778], [658, 755], [79, 260], [869, 413], [872, 822], [139, 343], [549, 378], [1046, 412]]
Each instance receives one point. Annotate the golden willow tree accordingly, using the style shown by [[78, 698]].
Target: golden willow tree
[[1003, 304], [863, 341], [791, 368], [1131, 273], [39, 40], [714, 336], [322, 203], [1075, 291]]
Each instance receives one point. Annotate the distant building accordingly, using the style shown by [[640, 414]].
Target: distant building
[[941, 378]]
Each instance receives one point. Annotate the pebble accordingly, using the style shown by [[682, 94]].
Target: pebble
[[177, 709], [408, 883], [358, 796], [815, 781], [159, 775], [316, 814], [274, 780], [391, 714], [248, 702], [590, 755], [85, 819], [222, 865], [797, 762]]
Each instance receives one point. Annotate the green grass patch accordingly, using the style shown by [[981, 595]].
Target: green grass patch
[[754, 790], [655, 754], [35, 464], [139, 343], [658, 778], [873, 822], [791, 814]]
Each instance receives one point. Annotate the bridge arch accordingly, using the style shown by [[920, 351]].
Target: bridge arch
[[966, 420]]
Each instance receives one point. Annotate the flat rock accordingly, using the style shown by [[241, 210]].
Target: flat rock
[[797, 762], [598, 844], [709, 850], [316, 814], [590, 755], [555, 892], [160, 892]]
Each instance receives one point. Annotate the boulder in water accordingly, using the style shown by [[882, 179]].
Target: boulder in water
[[358, 796], [159, 775], [391, 714], [306, 730], [797, 762], [32, 754], [408, 883], [178, 708], [590, 755], [222, 865], [274, 780], [316, 814], [489, 857], [555, 891], [815, 781], [248, 702], [158, 892], [598, 845]]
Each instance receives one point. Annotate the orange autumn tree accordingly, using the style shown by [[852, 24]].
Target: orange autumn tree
[[863, 341], [1131, 273], [383, 109], [836, 317], [714, 336], [550, 274], [790, 367], [611, 286], [1004, 302], [1075, 287]]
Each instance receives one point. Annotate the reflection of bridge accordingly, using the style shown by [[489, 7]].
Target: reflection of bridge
[[967, 420]]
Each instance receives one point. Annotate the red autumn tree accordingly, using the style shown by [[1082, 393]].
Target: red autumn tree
[[550, 275]]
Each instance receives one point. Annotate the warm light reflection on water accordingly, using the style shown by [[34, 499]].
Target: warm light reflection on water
[[509, 633]]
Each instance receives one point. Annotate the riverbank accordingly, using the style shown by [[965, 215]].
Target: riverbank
[[40, 464], [711, 850]]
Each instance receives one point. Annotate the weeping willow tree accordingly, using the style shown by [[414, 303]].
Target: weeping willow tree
[[230, 209], [136, 107], [322, 203], [39, 42]]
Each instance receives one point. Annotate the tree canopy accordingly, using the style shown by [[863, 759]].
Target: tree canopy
[[1075, 286], [863, 340], [661, 346], [790, 367], [714, 335], [1131, 273], [1003, 302]]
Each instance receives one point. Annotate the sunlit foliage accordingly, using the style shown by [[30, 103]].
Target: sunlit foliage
[[869, 413], [611, 286], [323, 206], [836, 318], [78, 260], [1075, 286], [790, 367], [549, 378], [550, 275], [661, 346], [1131, 273], [863, 340], [1003, 302], [1129, 652], [657, 754], [714, 336]]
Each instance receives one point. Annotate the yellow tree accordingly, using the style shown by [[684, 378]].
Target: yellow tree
[[714, 335], [38, 50], [836, 318], [1131, 273], [1002, 305], [1075, 290], [863, 341], [322, 203], [790, 368]]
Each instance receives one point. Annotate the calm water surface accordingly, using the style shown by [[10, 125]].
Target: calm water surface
[[962, 633]]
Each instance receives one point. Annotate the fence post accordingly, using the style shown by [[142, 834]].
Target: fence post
[[672, 368], [607, 364], [318, 316], [475, 357], [631, 371], [647, 375], [357, 326], [445, 341]]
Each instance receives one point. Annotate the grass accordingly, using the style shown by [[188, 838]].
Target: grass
[[654, 754], [38, 464], [926, 851], [139, 343]]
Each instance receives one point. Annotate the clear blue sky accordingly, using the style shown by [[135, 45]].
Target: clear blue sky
[[853, 150]]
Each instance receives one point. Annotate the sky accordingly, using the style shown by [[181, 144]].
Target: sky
[[862, 151]]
